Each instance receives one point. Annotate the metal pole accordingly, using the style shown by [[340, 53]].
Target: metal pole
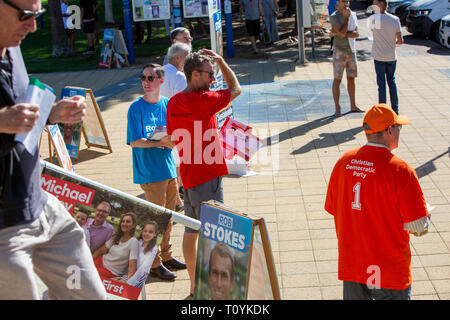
[[301, 33], [128, 30], [229, 29]]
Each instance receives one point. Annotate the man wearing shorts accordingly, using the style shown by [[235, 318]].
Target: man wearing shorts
[[344, 28], [192, 124], [376, 200], [88, 19], [253, 11]]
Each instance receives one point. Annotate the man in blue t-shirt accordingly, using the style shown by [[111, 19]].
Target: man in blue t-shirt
[[153, 162]]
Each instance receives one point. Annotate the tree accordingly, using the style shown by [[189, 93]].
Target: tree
[[60, 46]]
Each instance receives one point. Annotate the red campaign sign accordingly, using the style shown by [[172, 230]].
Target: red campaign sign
[[237, 139], [121, 289], [66, 192]]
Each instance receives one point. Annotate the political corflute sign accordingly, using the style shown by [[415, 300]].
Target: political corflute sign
[[81, 195], [223, 252]]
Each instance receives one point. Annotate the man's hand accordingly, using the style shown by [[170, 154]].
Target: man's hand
[[19, 118], [71, 110], [212, 54], [166, 142]]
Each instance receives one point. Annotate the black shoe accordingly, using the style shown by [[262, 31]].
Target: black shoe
[[189, 297], [174, 264], [162, 273]]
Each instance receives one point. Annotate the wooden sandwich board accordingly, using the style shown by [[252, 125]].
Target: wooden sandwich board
[[93, 127], [242, 243]]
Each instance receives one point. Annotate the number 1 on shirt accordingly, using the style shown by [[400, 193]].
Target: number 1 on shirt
[[356, 204]]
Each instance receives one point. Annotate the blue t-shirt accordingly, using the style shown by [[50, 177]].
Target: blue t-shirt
[[149, 164]]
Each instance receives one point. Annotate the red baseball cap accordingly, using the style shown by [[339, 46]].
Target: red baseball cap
[[380, 117]]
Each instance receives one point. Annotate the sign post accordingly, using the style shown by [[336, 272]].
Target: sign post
[[229, 29], [128, 30]]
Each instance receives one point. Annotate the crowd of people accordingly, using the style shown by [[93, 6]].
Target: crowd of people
[[374, 196]]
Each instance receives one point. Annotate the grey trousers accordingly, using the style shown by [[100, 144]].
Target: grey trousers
[[54, 247], [359, 291]]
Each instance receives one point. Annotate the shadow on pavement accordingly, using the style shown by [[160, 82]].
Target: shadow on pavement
[[329, 140]]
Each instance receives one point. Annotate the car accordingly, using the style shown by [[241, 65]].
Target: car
[[425, 16], [400, 9], [444, 31]]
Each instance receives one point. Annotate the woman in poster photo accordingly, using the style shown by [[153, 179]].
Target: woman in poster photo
[[147, 253], [118, 256]]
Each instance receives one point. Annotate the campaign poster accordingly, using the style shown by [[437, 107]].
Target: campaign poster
[[83, 196], [223, 254], [195, 8], [144, 10], [71, 134], [60, 147], [107, 46]]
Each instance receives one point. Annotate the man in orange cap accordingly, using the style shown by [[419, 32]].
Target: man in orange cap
[[376, 201]]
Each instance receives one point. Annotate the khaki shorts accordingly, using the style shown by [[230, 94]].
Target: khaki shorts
[[344, 61]]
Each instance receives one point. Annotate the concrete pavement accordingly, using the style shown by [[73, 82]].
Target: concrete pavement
[[293, 104]]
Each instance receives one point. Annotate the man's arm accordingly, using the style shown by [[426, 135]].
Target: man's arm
[[399, 38], [228, 75], [342, 30], [352, 34], [146, 143]]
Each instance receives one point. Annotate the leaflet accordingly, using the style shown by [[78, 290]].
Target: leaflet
[[42, 95]]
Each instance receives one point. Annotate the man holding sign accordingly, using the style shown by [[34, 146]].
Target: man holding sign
[[192, 124], [37, 234]]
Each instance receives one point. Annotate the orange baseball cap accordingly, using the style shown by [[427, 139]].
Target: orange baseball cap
[[380, 117]]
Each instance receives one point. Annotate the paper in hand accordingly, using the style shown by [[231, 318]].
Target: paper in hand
[[42, 95]]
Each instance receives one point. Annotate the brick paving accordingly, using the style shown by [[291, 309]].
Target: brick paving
[[292, 105]]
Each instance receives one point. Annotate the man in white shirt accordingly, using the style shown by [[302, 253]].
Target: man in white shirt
[[174, 79], [180, 34], [387, 34], [174, 82]]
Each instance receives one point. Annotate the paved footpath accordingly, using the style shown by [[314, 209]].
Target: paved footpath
[[293, 105]]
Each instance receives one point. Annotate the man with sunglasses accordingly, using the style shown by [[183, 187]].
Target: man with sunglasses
[[153, 163], [192, 124], [37, 234], [376, 200]]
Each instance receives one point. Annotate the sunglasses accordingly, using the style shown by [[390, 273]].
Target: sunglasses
[[102, 211], [149, 78], [24, 14], [211, 73]]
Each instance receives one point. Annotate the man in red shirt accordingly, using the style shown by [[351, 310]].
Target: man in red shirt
[[376, 201], [192, 124]]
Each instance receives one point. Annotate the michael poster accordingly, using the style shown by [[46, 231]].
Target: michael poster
[[88, 201]]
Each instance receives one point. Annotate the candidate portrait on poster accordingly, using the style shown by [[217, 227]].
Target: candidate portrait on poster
[[223, 255]]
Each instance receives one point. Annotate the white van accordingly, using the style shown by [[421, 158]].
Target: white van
[[425, 16]]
